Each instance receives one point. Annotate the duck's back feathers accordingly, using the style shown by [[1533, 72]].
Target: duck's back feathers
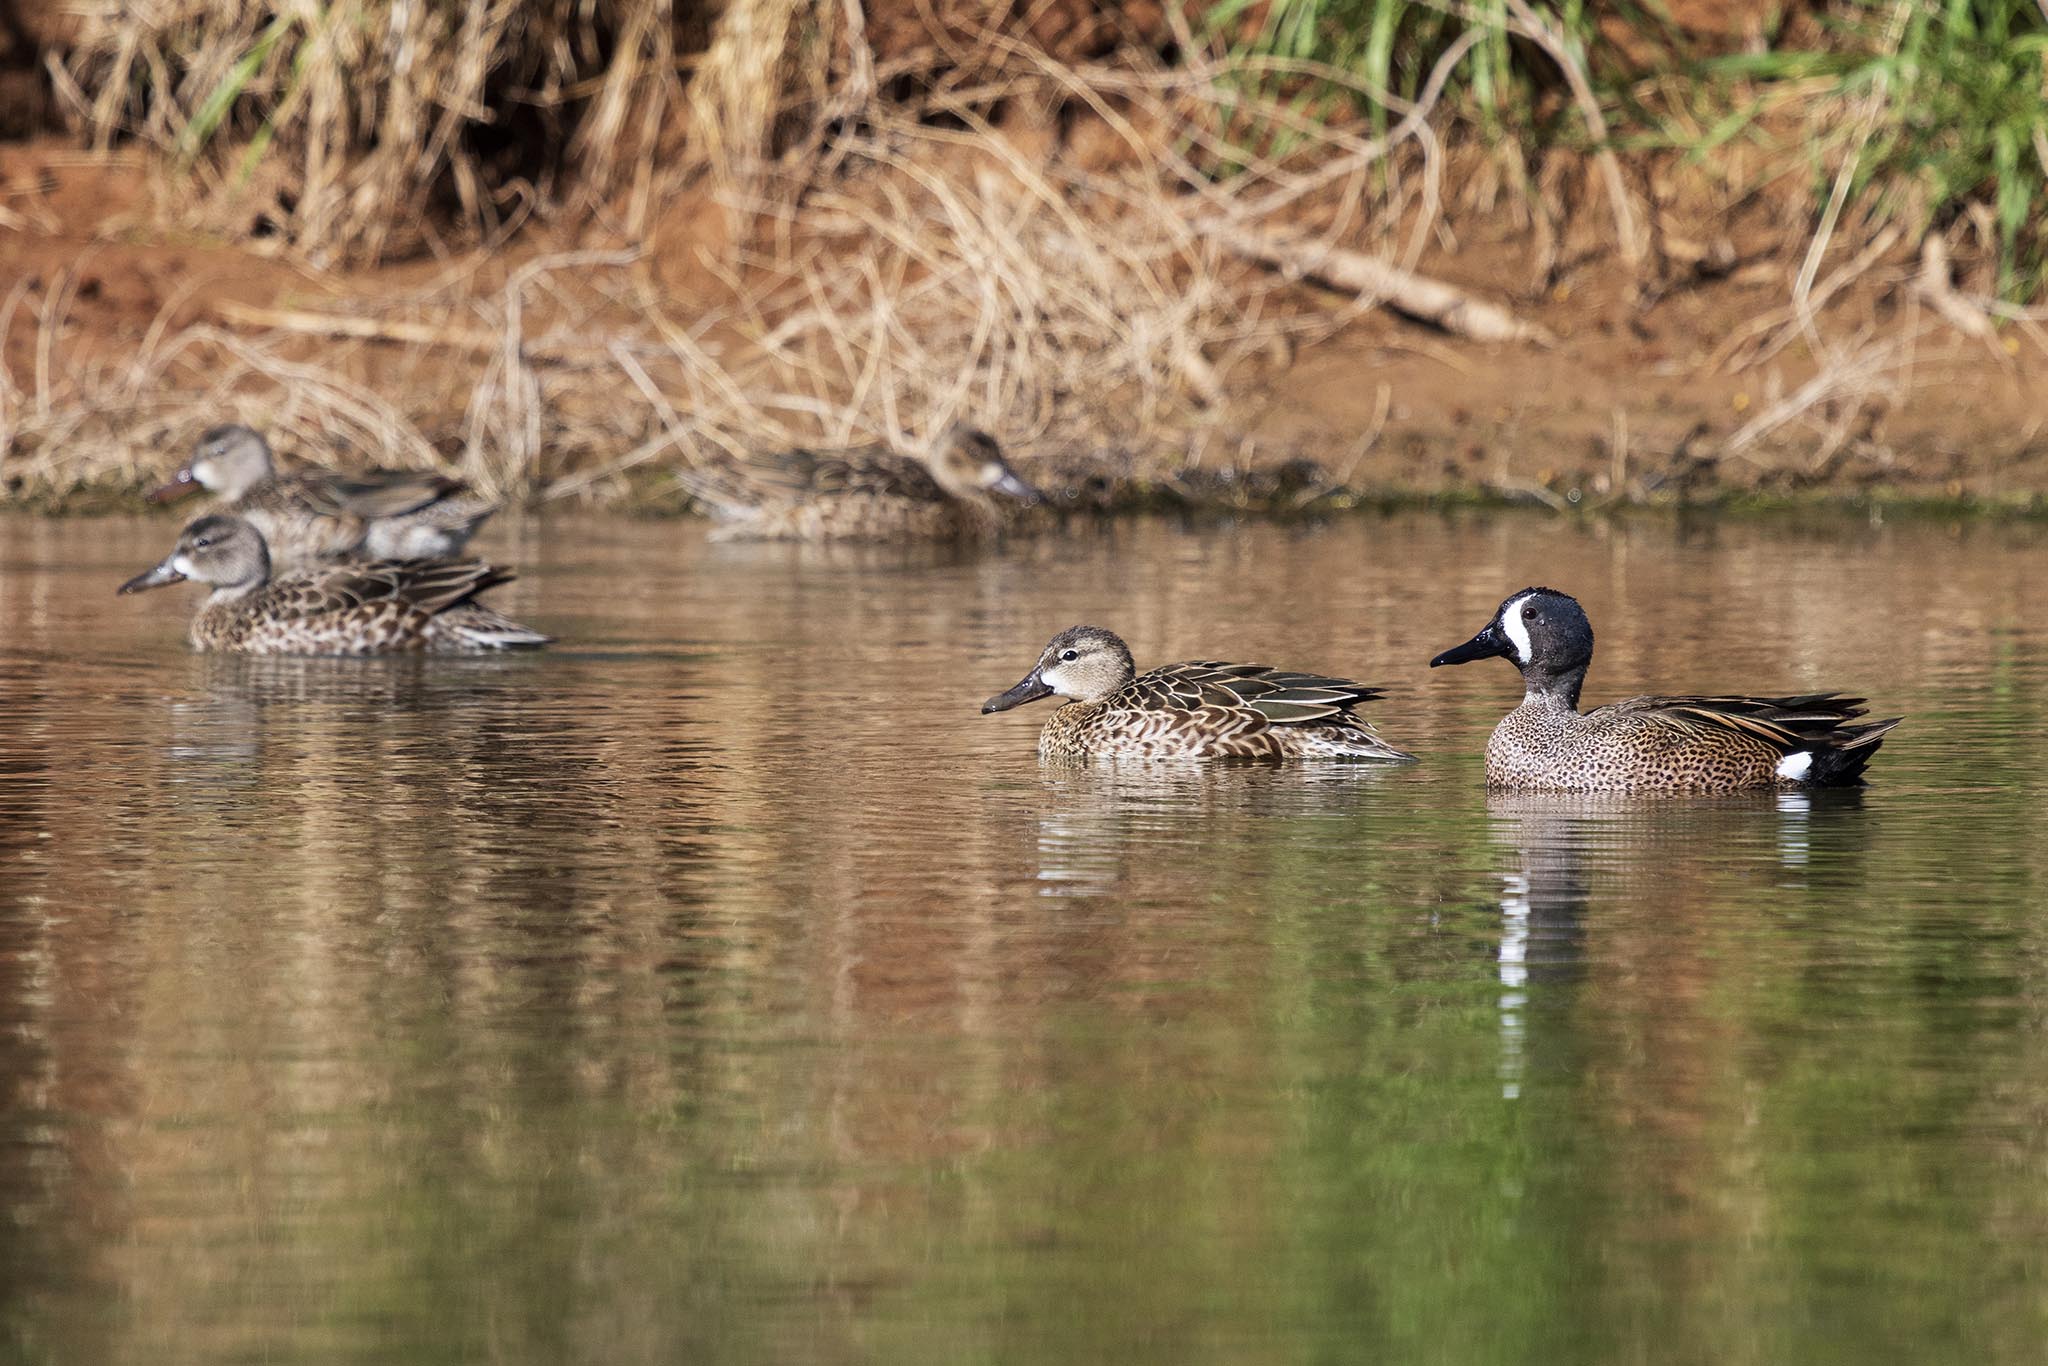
[[431, 586], [1281, 697], [317, 516], [364, 608], [375, 493], [1212, 709], [814, 474], [862, 494]]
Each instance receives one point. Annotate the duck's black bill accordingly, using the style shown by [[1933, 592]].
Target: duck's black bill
[[181, 484], [152, 578], [1016, 488], [1029, 690], [1485, 645]]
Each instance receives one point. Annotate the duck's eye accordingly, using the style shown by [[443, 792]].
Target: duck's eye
[[1528, 614], [1070, 654]]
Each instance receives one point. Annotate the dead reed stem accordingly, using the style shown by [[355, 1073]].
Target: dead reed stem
[[894, 264]]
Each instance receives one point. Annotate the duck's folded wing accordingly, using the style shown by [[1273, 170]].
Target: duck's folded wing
[[1784, 723], [1280, 697], [377, 493], [798, 474], [429, 585]]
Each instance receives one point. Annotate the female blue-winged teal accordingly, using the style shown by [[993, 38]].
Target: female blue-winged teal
[[961, 487], [1650, 744], [1198, 710], [314, 515], [366, 607]]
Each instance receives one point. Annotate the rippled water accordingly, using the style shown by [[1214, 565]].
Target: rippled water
[[721, 986]]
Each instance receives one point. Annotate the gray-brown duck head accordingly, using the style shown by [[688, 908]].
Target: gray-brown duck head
[[1085, 663], [225, 553], [968, 463], [226, 461]]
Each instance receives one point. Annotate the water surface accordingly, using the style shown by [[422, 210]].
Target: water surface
[[721, 986]]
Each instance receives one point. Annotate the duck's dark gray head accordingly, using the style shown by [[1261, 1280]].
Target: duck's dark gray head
[[967, 462], [1545, 634], [1085, 663], [228, 461], [225, 552]]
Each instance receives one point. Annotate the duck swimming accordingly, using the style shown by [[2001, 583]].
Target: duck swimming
[[1650, 744], [1197, 710], [961, 487], [370, 607], [313, 515]]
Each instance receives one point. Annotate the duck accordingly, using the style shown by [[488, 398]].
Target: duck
[[961, 487], [1651, 744], [314, 515], [365, 607], [1202, 709]]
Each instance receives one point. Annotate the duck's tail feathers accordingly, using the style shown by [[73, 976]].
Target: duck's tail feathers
[[1356, 741], [489, 629], [1841, 762]]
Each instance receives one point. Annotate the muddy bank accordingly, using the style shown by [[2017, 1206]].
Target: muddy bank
[[1627, 404], [1429, 316]]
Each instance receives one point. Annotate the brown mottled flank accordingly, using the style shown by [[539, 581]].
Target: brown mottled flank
[[1670, 744], [962, 488], [313, 515], [1650, 744], [376, 607], [371, 607], [1202, 709]]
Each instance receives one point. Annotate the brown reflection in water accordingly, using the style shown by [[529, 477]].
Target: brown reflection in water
[[735, 892]]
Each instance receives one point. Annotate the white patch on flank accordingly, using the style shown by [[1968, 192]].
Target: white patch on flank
[[183, 564], [1511, 622], [1794, 767]]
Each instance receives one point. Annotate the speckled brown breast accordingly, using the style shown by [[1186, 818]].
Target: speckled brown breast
[[1544, 746]]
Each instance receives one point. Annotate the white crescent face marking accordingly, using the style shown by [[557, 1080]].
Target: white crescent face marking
[[183, 564], [1054, 679], [1511, 622], [1794, 767]]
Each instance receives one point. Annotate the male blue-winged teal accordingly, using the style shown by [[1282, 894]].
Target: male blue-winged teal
[[961, 487], [312, 515], [364, 607], [1650, 744], [1198, 710]]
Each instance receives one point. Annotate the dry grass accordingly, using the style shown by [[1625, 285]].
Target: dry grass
[[933, 266], [349, 130], [899, 262]]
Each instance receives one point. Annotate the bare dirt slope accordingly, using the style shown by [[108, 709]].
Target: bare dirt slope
[[1699, 386]]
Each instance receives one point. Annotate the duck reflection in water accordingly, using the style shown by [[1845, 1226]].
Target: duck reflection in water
[[1101, 826], [1633, 869]]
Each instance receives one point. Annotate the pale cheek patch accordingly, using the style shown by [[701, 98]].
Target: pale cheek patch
[[1511, 622], [1794, 767], [183, 565], [1052, 678]]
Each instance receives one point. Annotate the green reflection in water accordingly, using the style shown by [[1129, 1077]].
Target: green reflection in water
[[731, 990]]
